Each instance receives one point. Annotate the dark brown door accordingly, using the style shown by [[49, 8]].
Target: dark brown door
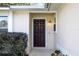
[[39, 33]]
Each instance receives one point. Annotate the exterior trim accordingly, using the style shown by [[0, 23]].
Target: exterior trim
[[45, 32]]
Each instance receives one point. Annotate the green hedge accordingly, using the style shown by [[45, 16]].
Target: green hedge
[[13, 44]]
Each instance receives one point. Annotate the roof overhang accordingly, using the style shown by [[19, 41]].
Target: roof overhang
[[30, 6], [18, 6]]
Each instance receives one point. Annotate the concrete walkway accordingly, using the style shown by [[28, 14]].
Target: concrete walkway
[[40, 52]]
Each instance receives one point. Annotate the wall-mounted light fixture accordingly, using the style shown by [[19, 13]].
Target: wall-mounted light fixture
[[49, 21]]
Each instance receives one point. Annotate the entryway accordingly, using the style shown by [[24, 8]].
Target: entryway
[[41, 33]]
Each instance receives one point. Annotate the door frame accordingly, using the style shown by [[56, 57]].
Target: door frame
[[45, 31]]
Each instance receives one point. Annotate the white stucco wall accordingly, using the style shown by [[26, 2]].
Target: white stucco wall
[[68, 29], [21, 21], [10, 21]]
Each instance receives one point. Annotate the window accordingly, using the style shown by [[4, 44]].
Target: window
[[54, 23], [3, 23], [54, 27]]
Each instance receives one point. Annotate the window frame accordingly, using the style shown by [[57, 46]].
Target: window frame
[[7, 23]]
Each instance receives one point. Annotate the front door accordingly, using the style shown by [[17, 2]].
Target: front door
[[39, 33]]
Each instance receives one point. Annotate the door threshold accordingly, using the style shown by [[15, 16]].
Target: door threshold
[[39, 48]]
